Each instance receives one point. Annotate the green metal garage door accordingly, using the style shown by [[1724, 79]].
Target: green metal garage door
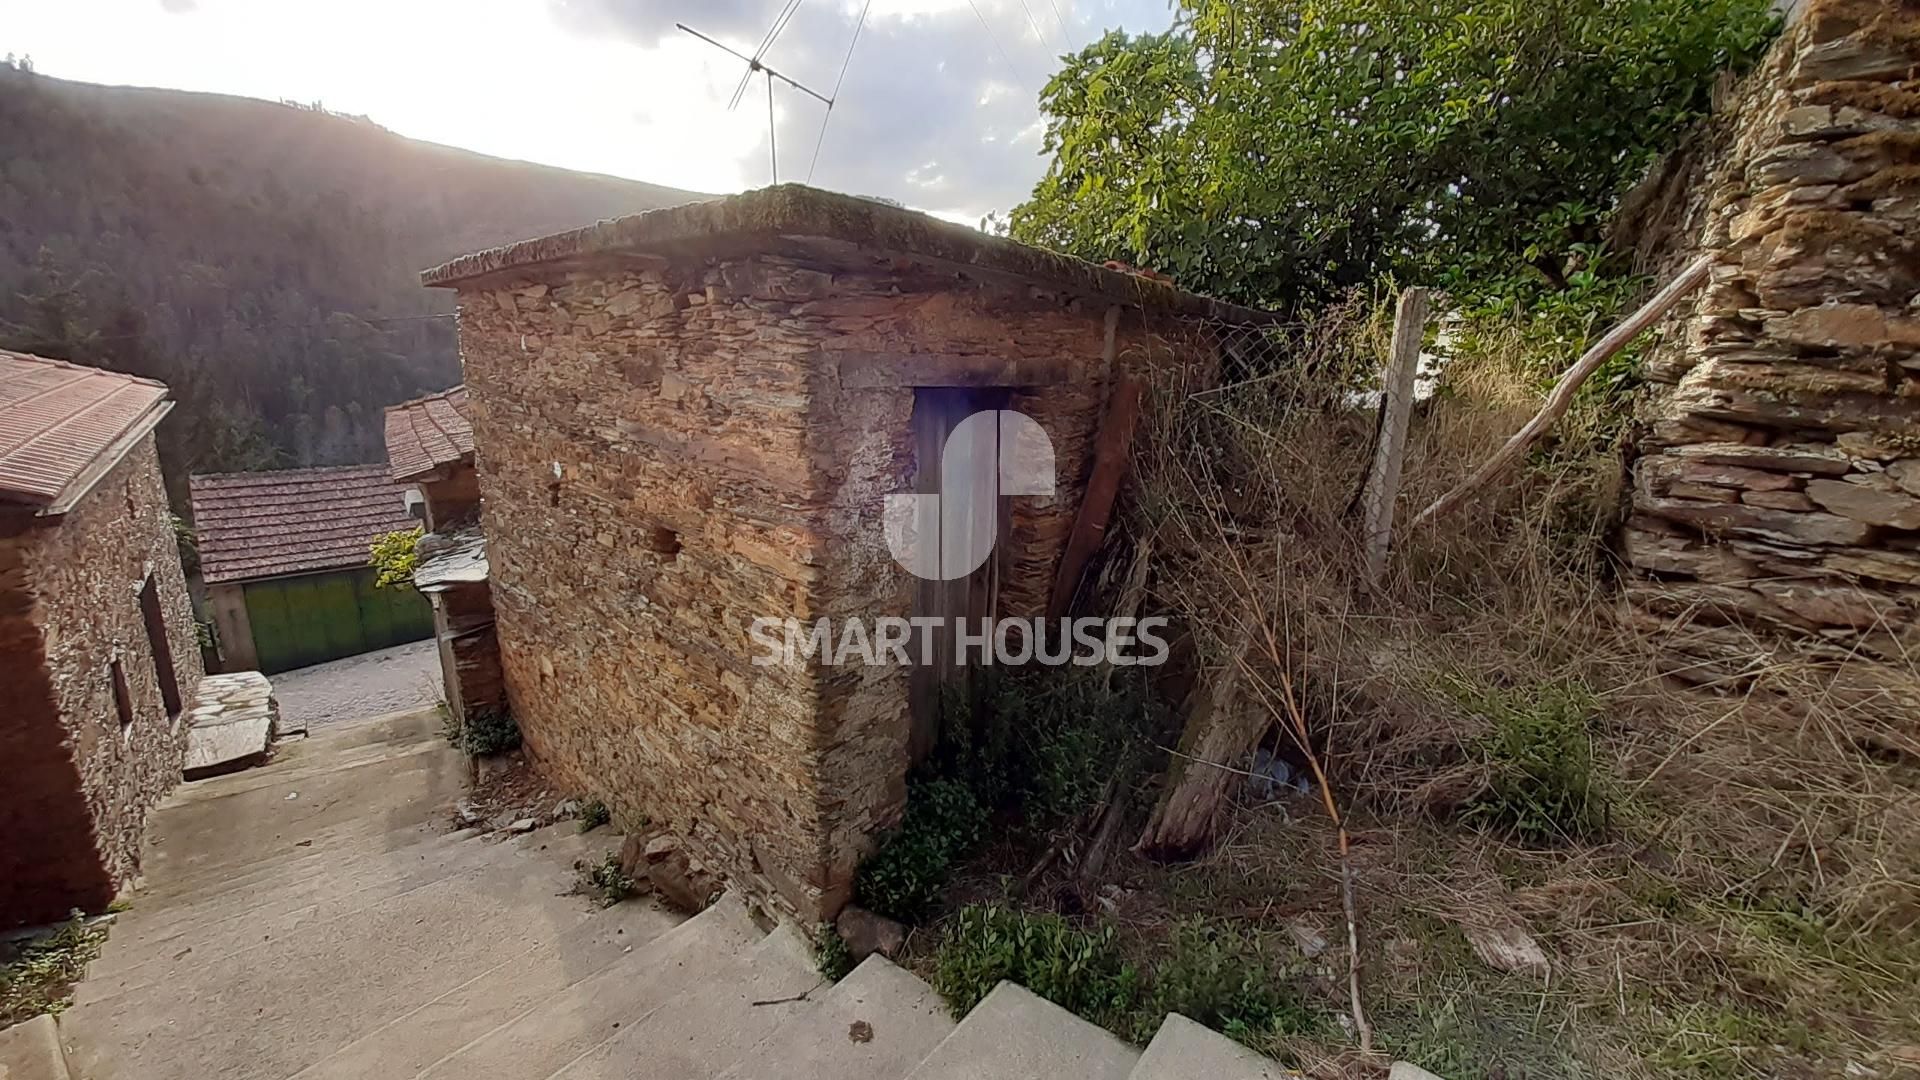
[[317, 617]]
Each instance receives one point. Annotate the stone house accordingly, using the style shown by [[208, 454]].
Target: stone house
[[691, 418], [430, 446], [284, 555], [97, 650]]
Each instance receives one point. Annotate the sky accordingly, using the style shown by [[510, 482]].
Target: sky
[[938, 109]]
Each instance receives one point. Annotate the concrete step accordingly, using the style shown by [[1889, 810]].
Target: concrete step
[[1183, 1049], [207, 842], [703, 1031], [320, 873], [414, 1041], [266, 1012], [1017, 1035], [271, 910], [278, 887], [585, 1014], [339, 747], [904, 1021], [31, 1051]]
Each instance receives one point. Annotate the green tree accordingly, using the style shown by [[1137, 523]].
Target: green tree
[[1277, 151]]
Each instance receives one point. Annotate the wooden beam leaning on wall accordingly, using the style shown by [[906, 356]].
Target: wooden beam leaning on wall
[[1111, 457]]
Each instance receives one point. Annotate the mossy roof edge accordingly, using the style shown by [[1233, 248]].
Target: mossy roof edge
[[794, 210]]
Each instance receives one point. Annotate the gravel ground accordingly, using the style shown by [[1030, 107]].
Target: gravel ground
[[358, 687]]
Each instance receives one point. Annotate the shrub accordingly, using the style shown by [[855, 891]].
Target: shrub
[[1214, 975], [830, 954], [605, 881], [944, 821], [593, 815], [1078, 970], [1220, 977], [394, 555], [488, 730]]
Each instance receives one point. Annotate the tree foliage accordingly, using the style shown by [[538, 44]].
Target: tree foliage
[[1278, 151]]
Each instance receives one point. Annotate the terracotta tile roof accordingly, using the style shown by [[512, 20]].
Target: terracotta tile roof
[[63, 425], [292, 521], [424, 434]]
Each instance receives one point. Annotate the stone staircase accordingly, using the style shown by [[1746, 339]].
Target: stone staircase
[[311, 920]]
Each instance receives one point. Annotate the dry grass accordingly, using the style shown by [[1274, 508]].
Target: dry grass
[[1746, 902]]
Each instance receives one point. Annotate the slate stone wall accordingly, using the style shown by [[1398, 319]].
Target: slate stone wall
[[670, 449], [80, 782], [1779, 491]]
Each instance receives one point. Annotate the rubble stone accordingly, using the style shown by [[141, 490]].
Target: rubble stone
[[1789, 375], [866, 933]]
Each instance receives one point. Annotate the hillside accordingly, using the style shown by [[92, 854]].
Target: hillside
[[259, 257]]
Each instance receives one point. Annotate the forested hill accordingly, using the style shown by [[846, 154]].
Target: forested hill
[[260, 258]]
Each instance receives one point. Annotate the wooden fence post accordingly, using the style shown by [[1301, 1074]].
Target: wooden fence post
[[1396, 406]]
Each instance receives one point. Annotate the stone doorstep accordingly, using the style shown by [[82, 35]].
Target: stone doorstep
[[233, 722], [31, 1051]]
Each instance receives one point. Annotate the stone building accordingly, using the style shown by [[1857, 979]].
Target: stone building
[[284, 556], [430, 446], [1778, 499], [97, 652], [691, 418]]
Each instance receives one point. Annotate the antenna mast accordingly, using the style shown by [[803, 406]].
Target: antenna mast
[[754, 64]]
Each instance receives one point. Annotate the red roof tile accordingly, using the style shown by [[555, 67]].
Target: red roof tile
[[292, 521], [62, 425], [424, 434]]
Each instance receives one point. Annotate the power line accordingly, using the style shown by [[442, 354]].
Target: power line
[[376, 320], [1065, 34], [835, 96], [1038, 34], [995, 38]]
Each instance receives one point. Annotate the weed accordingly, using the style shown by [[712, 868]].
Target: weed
[[830, 954], [1211, 973], [1543, 781], [1219, 976], [1079, 970], [38, 978], [1043, 743], [605, 881], [944, 821], [593, 815], [489, 730]]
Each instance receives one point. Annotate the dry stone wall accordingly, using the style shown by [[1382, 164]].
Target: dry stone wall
[[668, 450], [80, 782], [1780, 487]]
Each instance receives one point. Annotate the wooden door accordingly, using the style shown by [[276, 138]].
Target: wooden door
[[970, 504]]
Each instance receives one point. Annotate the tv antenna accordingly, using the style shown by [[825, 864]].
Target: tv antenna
[[754, 64]]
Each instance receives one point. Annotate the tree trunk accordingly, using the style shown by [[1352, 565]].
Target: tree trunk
[[1221, 729]]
